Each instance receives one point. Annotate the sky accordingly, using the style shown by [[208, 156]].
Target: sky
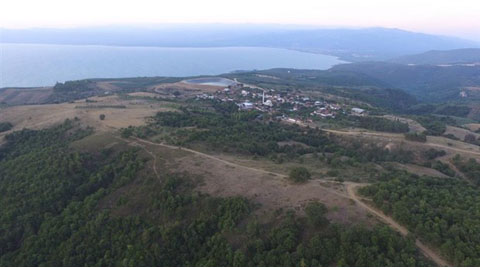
[[448, 17]]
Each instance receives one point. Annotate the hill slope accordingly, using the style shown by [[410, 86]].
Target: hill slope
[[438, 57], [349, 44], [427, 82]]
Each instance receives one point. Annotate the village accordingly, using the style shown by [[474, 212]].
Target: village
[[293, 107]]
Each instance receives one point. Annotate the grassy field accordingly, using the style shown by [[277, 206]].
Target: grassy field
[[41, 116]]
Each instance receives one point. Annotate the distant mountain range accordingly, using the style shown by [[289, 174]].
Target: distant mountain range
[[349, 44], [442, 57]]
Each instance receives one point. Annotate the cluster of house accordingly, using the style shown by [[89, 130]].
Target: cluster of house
[[266, 100]]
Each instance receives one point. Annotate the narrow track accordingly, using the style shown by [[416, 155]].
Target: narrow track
[[154, 163], [428, 252], [390, 135], [350, 186]]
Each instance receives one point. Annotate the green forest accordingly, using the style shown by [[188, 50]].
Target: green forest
[[61, 207], [222, 127], [470, 167], [443, 212]]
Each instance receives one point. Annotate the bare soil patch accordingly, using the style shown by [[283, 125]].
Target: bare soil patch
[[184, 89], [473, 126], [271, 190]]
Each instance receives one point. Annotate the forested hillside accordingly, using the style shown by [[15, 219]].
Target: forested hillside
[[437, 57], [426, 82], [55, 213], [443, 212]]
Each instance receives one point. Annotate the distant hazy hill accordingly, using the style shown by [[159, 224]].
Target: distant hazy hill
[[426, 82], [350, 44], [437, 57]]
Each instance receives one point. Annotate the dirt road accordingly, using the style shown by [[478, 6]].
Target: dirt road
[[282, 176], [392, 135], [429, 253], [154, 163], [351, 194]]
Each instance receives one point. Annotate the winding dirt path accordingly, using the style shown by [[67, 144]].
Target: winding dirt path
[[154, 163], [350, 187], [232, 164], [428, 252]]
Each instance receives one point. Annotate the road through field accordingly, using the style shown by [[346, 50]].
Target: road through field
[[351, 194], [283, 176]]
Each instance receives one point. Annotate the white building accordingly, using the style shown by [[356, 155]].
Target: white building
[[358, 111]]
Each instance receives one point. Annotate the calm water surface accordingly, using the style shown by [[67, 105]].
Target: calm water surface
[[43, 65]]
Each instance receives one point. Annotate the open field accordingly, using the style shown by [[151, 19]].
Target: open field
[[452, 147], [184, 89], [412, 124], [41, 116], [473, 126], [460, 133], [269, 189], [419, 170]]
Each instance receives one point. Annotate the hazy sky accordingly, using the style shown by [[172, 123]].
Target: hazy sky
[[451, 17]]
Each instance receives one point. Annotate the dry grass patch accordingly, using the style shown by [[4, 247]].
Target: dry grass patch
[[42, 116], [460, 132], [269, 190]]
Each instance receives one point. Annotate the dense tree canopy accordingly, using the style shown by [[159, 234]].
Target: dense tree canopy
[[63, 208], [444, 212]]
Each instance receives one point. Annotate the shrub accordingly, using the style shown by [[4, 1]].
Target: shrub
[[316, 213], [470, 138], [299, 174], [432, 153], [5, 126], [102, 117]]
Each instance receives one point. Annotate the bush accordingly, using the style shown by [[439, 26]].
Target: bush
[[332, 173], [299, 174], [432, 153], [102, 117], [470, 138], [5, 126], [444, 168]]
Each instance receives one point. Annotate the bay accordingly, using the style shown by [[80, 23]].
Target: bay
[[28, 65]]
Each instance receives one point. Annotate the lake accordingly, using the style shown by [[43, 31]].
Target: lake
[[26, 65]]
